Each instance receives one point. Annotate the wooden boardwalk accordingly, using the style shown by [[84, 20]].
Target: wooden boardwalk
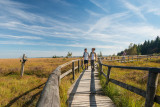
[[86, 92]]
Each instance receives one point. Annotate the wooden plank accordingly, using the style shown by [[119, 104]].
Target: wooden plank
[[68, 72], [50, 94], [136, 68], [73, 71], [67, 63], [78, 66], [22, 65], [87, 92], [151, 88], [104, 74], [108, 75], [129, 87], [157, 99]]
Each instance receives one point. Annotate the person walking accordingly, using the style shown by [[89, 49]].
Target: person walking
[[86, 58], [123, 58], [93, 58]]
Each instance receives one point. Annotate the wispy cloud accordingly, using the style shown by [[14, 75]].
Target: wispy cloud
[[136, 10], [92, 13], [19, 37], [55, 44], [109, 30], [63, 2], [104, 22], [95, 2]]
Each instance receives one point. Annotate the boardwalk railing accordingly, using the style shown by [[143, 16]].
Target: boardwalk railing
[[50, 94], [129, 58], [149, 94]]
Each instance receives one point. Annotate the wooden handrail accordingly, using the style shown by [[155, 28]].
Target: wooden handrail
[[128, 58], [50, 94], [149, 94], [154, 69]]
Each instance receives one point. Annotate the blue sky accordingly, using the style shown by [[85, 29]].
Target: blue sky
[[43, 28]]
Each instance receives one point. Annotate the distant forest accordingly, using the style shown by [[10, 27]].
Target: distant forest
[[148, 47]]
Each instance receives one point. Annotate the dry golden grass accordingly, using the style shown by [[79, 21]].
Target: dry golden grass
[[122, 97], [16, 91]]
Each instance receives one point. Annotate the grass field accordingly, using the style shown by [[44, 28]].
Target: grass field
[[121, 96], [17, 92]]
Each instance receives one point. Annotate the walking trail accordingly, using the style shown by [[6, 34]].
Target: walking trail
[[87, 92]]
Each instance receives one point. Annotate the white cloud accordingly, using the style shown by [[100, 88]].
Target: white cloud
[[156, 11], [19, 37], [55, 44], [115, 31], [136, 10], [105, 22], [92, 13], [98, 5]]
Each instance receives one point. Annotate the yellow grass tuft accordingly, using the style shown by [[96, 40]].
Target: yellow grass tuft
[[16, 91]]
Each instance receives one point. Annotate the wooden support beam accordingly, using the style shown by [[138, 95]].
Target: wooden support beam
[[73, 71], [50, 94], [78, 66], [22, 65], [108, 75], [151, 88]]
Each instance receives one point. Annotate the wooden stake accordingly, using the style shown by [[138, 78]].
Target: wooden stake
[[73, 70], [151, 88], [22, 65]]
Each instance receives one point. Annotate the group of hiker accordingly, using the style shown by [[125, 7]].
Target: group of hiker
[[89, 58]]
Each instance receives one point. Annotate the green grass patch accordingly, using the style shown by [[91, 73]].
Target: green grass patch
[[122, 97]]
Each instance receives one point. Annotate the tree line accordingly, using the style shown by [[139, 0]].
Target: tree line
[[148, 47]]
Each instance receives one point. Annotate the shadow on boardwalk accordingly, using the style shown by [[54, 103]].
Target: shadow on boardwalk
[[87, 92]]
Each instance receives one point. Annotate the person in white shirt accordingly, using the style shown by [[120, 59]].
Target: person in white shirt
[[124, 54], [93, 58], [86, 58]]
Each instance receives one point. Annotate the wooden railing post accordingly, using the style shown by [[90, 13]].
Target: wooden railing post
[[82, 63], [78, 66], [100, 66], [22, 65], [128, 58], [73, 71], [118, 58], [108, 75], [132, 58], [151, 88]]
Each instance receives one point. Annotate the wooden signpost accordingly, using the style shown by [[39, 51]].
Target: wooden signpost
[[23, 60]]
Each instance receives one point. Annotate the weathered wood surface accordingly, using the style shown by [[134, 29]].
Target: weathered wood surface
[[129, 58], [151, 88], [22, 65], [86, 92], [156, 70], [50, 94], [129, 87], [73, 71], [68, 72], [67, 63]]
